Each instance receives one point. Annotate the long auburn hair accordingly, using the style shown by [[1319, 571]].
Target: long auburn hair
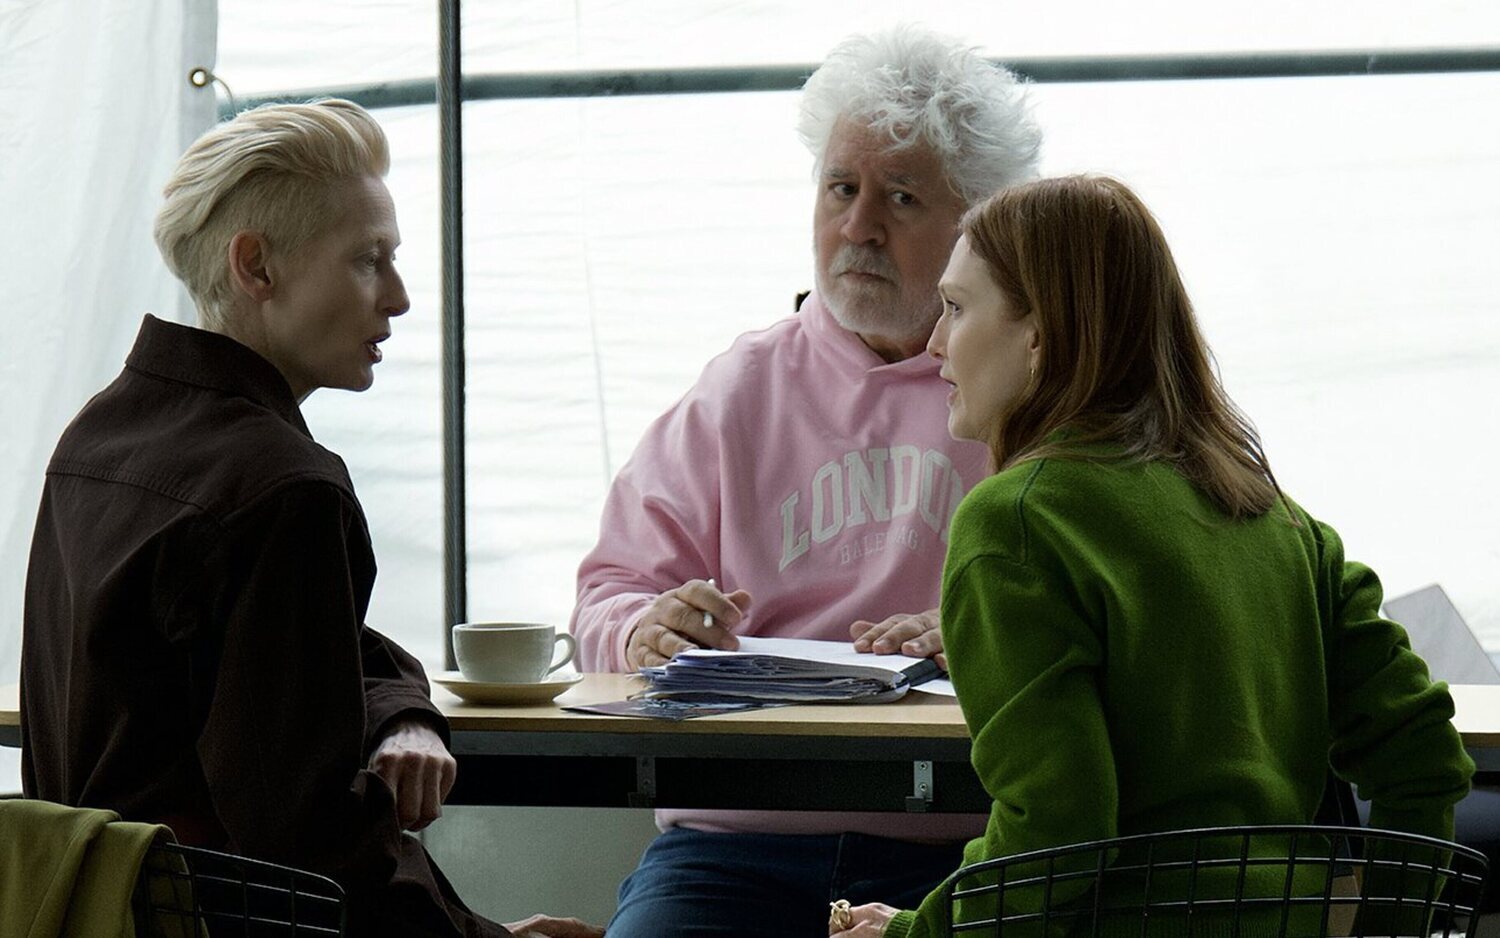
[[1121, 358]]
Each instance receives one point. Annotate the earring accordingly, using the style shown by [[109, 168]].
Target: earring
[[1033, 370]]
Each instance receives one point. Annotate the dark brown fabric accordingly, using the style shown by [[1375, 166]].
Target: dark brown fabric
[[194, 648]]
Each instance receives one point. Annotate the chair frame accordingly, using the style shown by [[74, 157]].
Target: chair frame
[[1445, 883], [260, 898]]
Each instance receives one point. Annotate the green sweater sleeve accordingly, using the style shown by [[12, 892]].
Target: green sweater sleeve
[[1024, 661], [904, 924], [1391, 725]]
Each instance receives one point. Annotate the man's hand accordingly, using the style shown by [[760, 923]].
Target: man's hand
[[545, 926], [914, 635], [674, 622], [414, 762], [869, 921]]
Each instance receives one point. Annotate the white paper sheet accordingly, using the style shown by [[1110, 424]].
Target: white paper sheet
[[833, 653]]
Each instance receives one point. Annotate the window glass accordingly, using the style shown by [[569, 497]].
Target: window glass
[[1336, 234]]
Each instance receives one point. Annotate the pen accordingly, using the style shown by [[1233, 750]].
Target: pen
[[923, 671], [708, 617]]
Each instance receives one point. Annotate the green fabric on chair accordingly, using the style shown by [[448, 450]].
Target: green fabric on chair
[[69, 871]]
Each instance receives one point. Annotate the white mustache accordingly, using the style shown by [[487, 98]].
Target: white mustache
[[853, 258]]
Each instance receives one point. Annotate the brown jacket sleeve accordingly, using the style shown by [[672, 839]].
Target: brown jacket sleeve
[[290, 721], [395, 688]]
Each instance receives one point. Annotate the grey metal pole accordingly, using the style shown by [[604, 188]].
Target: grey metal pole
[[1045, 70], [455, 511]]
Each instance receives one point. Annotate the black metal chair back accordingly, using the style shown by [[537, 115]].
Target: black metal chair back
[[189, 892], [1225, 882]]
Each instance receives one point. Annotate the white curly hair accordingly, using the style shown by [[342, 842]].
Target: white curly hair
[[914, 85]]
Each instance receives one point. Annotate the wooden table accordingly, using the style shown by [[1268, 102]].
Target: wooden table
[[909, 755], [906, 756]]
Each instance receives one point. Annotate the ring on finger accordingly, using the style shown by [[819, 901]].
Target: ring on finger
[[839, 915]]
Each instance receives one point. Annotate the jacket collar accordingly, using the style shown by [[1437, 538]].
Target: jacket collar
[[211, 360]]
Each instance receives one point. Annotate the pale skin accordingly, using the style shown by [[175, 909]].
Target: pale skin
[[320, 312], [869, 921], [883, 222], [988, 346], [914, 635], [546, 926], [674, 622], [413, 761]]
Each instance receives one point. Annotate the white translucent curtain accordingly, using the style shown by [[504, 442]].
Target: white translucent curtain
[[95, 107]]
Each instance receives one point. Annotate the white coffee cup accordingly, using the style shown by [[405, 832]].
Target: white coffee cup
[[509, 652]]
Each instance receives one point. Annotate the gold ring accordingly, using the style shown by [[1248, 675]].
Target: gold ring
[[839, 915]]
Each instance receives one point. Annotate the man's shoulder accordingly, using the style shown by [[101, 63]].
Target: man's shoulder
[[216, 451], [755, 352], [740, 376]]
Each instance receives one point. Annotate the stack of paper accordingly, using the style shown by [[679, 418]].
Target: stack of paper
[[788, 671]]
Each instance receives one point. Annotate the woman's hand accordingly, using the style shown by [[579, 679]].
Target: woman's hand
[[414, 762], [546, 926], [866, 921]]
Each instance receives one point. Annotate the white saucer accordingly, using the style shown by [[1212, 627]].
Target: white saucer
[[482, 692]]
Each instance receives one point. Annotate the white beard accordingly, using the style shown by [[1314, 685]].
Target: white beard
[[880, 308]]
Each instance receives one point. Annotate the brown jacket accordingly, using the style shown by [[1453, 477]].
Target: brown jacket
[[194, 648]]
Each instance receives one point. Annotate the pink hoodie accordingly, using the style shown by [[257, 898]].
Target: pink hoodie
[[802, 468]]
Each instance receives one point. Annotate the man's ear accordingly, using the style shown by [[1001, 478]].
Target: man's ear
[[249, 268]]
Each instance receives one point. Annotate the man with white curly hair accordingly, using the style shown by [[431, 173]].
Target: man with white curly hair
[[802, 488]]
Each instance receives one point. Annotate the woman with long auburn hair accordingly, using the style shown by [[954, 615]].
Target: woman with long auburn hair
[[1144, 632]]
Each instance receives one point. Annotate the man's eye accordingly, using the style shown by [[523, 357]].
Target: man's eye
[[903, 198], [843, 190]]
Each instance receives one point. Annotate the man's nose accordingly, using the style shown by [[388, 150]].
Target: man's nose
[[864, 222]]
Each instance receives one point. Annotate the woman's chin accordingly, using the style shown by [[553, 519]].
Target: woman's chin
[[957, 429]]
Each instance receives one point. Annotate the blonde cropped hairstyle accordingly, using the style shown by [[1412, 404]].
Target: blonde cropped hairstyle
[[914, 85], [1122, 360], [268, 170]]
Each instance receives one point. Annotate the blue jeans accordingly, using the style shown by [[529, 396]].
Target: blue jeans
[[691, 883]]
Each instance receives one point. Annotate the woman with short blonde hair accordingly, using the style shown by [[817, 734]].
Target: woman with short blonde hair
[[195, 650]]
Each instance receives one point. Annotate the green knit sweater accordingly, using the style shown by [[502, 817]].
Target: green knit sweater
[[1128, 659]]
